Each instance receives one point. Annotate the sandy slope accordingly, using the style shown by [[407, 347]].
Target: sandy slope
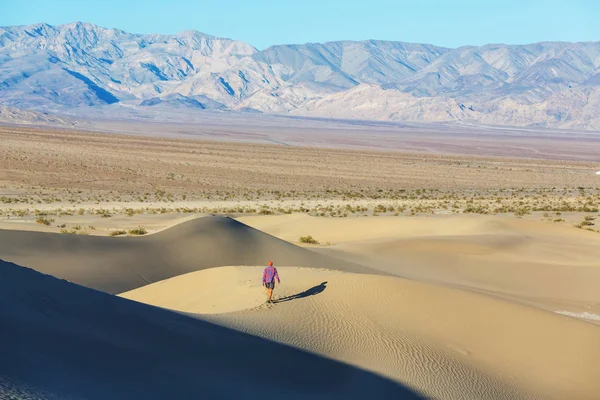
[[539, 263], [117, 264], [344, 230], [448, 343], [63, 341]]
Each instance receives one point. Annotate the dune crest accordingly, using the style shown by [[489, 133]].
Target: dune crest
[[115, 265], [536, 263], [63, 341], [214, 291], [435, 339]]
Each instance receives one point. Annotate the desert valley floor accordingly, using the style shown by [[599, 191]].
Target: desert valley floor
[[131, 268]]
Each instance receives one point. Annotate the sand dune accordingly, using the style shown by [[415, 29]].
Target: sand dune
[[386, 334], [446, 343], [345, 230], [538, 263], [62, 341], [115, 265]]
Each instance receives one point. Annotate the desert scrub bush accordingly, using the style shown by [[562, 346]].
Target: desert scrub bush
[[118, 232], [308, 239], [138, 231], [44, 221], [380, 208], [475, 209], [103, 213], [521, 212]]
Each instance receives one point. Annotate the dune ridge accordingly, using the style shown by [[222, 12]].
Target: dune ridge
[[444, 342], [63, 341], [537, 263], [115, 265], [343, 320]]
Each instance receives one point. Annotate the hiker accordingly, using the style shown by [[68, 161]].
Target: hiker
[[268, 280]]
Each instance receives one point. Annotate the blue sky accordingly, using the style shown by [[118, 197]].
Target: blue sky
[[266, 22]]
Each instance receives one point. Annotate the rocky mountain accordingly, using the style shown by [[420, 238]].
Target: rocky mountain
[[54, 68]]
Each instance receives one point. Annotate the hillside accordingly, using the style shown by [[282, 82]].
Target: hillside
[[54, 68]]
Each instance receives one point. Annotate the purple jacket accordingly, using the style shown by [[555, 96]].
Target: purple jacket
[[270, 274]]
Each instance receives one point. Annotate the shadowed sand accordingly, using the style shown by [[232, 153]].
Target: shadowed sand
[[445, 342], [62, 341], [115, 265]]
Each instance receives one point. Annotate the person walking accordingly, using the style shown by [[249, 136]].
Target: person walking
[[268, 280]]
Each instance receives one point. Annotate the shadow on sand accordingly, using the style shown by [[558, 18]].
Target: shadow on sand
[[307, 293], [60, 340], [116, 265]]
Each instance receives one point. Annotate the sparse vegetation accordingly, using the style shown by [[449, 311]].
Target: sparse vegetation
[[118, 232], [375, 188], [44, 221], [138, 231], [308, 239]]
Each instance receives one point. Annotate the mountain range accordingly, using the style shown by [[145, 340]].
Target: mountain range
[[56, 68]]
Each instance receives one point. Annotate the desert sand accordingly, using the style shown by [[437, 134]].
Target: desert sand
[[537, 263], [73, 166], [115, 265], [436, 340], [481, 315], [435, 275], [63, 341]]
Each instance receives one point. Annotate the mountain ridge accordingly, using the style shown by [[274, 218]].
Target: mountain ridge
[[553, 84]]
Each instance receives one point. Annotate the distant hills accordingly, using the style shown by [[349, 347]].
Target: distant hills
[[54, 68]]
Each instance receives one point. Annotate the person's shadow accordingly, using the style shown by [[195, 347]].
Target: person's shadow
[[309, 292]]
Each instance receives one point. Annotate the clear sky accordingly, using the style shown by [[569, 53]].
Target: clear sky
[[263, 23]]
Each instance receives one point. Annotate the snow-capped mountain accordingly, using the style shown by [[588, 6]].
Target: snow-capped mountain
[[51, 68]]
